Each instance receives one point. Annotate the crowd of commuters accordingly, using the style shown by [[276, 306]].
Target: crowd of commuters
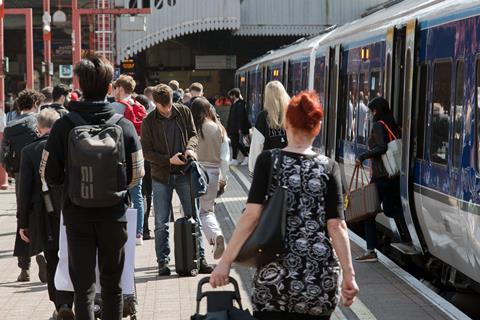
[[142, 146]]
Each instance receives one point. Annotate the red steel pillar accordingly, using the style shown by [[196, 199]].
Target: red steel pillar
[[3, 174], [47, 39], [76, 38]]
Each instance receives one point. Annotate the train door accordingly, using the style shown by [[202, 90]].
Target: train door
[[333, 70], [404, 104]]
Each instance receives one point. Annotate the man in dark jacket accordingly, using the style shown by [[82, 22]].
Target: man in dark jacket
[[168, 138], [237, 125], [17, 134], [61, 97], [94, 229], [36, 226]]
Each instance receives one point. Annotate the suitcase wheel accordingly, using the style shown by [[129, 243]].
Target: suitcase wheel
[[194, 272]]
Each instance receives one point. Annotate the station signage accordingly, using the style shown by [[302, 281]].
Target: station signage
[[128, 67], [215, 62], [66, 71]]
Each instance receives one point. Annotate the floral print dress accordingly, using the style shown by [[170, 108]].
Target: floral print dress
[[305, 280]]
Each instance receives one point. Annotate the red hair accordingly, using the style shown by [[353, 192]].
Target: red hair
[[305, 112]]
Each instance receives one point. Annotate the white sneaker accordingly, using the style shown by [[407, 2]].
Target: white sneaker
[[139, 240], [218, 246], [244, 162], [234, 162]]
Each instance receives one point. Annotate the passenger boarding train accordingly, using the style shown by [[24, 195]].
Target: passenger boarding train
[[424, 58]]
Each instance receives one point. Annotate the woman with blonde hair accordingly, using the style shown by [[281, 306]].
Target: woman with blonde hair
[[269, 132]]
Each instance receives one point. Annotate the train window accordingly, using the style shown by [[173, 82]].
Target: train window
[[421, 109], [362, 124], [351, 106], [442, 79], [477, 116], [375, 84], [458, 115], [319, 79]]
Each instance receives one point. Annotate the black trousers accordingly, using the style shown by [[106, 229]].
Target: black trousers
[[58, 297], [235, 139], [270, 315], [147, 194], [84, 239]]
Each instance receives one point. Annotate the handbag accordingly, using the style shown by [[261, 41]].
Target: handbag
[[266, 243], [362, 202], [392, 158]]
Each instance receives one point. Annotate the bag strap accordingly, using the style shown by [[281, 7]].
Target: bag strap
[[76, 119], [114, 119], [277, 158], [391, 136]]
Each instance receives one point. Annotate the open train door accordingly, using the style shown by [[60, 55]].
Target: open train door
[[406, 171], [333, 60]]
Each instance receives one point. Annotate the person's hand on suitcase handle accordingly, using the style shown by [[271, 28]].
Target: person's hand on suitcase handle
[[219, 276]]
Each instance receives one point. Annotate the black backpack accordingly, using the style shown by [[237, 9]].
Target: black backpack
[[96, 166], [19, 134]]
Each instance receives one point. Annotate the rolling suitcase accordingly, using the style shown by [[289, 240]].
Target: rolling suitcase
[[186, 243], [186, 247]]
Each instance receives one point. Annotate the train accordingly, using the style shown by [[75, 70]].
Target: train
[[423, 56]]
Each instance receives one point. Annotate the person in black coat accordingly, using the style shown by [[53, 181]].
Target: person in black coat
[[36, 226], [388, 187], [237, 124]]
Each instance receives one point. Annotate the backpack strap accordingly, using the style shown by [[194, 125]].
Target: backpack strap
[[391, 136], [76, 119], [114, 119]]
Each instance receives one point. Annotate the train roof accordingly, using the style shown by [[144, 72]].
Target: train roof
[[371, 26]]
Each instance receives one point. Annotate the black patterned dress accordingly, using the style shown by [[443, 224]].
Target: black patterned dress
[[305, 280]]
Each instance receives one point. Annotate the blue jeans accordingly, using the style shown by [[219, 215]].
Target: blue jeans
[[162, 205], [137, 200]]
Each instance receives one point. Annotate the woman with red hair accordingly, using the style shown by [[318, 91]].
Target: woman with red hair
[[302, 283]]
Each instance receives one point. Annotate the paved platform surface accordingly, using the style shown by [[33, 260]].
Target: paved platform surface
[[383, 295]]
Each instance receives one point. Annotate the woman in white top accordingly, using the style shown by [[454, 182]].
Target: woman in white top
[[269, 132], [210, 138]]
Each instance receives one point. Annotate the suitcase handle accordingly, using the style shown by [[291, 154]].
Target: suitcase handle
[[201, 294]]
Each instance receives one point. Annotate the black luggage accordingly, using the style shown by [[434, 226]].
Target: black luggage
[[186, 247], [220, 304]]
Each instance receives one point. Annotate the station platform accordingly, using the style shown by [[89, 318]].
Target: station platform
[[386, 291]]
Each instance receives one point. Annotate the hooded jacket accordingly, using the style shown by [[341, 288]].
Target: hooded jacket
[[55, 155]]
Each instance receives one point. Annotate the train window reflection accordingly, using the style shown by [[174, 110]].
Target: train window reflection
[[458, 116], [351, 106], [362, 123], [477, 70], [422, 109], [442, 77]]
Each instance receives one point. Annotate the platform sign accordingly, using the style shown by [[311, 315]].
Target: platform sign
[[66, 71], [215, 62], [128, 67]]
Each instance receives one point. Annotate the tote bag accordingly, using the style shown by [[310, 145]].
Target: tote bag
[[361, 200], [392, 159], [62, 275]]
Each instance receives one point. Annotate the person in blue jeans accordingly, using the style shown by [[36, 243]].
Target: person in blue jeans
[[169, 137], [124, 87]]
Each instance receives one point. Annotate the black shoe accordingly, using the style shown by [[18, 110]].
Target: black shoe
[[205, 268], [163, 269], [42, 268], [146, 235], [24, 276], [65, 312]]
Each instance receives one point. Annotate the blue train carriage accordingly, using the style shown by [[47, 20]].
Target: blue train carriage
[[424, 59]]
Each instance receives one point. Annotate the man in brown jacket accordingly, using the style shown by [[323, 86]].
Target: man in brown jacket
[[168, 138]]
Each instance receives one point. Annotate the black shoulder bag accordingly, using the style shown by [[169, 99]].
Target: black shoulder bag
[[266, 243]]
